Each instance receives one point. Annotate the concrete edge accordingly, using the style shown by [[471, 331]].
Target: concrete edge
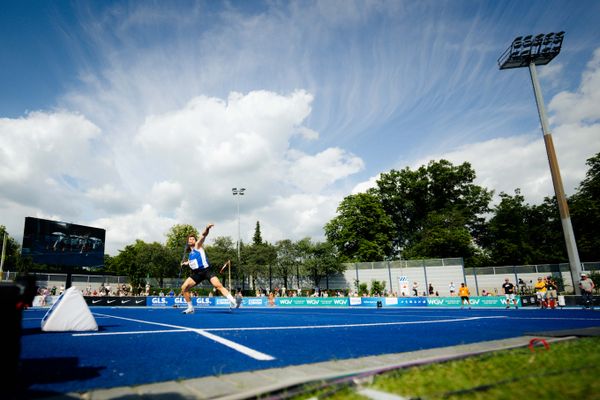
[[252, 384]]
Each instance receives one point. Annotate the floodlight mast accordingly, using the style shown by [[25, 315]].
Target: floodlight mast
[[528, 52]]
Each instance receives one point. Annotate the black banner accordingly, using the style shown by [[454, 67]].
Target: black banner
[[111, 301], [528, 301]]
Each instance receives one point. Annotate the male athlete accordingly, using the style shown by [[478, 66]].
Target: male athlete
[[201, 270]]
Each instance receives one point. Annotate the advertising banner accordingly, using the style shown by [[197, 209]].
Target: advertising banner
[[476, 302], [113, 301], [311, 301], [167, 301], [254, 302], [388, 301]]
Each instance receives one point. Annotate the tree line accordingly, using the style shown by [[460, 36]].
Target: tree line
[[435, 211]]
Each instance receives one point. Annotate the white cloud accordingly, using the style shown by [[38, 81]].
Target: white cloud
[[507, 163], [582, 105], [179, 167], [315, 173]]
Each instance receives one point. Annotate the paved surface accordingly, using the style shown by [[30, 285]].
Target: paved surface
[[247, 385]]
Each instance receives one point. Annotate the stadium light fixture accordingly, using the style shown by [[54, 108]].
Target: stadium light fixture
[[529, 51]]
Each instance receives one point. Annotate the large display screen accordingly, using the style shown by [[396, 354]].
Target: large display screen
[[62, 243]]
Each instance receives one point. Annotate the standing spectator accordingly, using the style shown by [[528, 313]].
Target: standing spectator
[[415, 288], [551, 293], [272, 299], [431, 290], [463, 292], [509, 293], [540, 291], [587, 287], [238, 298], [452, 288]]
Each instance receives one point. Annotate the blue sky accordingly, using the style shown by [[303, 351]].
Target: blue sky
[[135, 116]]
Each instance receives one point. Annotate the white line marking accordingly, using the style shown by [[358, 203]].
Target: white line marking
[[259, 328], [235, 346], [130, 332]]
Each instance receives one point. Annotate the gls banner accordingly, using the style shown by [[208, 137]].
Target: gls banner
[[116, 301], [155, 301]]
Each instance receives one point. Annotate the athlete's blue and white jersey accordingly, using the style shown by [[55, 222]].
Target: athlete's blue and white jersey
[[198, 259]]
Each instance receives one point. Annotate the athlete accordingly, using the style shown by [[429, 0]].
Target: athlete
[[201, 270]]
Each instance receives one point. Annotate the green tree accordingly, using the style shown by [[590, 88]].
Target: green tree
[[585, 211], [361, 231], [377, 288], [322, 262], [257, 238], [287, 260], [177, 236], [519, 233], [140, 260], [441, 189], [219, 252], [259, 260], [444, 234], [12, 256]]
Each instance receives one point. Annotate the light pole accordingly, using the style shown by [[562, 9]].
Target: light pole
[[530, 51], [238, 192]]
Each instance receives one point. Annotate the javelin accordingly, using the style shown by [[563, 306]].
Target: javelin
[[182, 260], [227, 263]]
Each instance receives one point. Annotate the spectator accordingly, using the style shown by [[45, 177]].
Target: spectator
[[452, 288], [509, 293], [587, 288], [271, 299], [551, 293], [238, 298], [540, 290], [431, 290], [463, 292], [415, 288]]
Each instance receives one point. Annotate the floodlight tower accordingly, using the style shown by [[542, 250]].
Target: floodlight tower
[[529, 51]]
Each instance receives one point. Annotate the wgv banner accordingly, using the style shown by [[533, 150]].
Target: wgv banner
[[476, 302], [311, 301]]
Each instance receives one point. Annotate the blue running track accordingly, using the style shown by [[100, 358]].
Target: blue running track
[[145, 345]]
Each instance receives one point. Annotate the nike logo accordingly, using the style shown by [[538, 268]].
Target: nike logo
[[110, 301], [138, 302], [125, 301], [96, 301]]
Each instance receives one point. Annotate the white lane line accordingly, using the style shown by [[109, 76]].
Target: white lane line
[[437, 321], [130, 332], [257, 355], [235, 346]]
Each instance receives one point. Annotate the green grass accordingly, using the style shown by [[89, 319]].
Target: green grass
[[568, 370]]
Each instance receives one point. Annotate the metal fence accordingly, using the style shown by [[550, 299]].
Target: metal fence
[[438, 273]]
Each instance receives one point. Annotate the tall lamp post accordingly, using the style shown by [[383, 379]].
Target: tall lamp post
[[529, 51], [238, 192]]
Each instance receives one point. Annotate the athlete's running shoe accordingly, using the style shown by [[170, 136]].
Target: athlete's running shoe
[[188, 311]]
